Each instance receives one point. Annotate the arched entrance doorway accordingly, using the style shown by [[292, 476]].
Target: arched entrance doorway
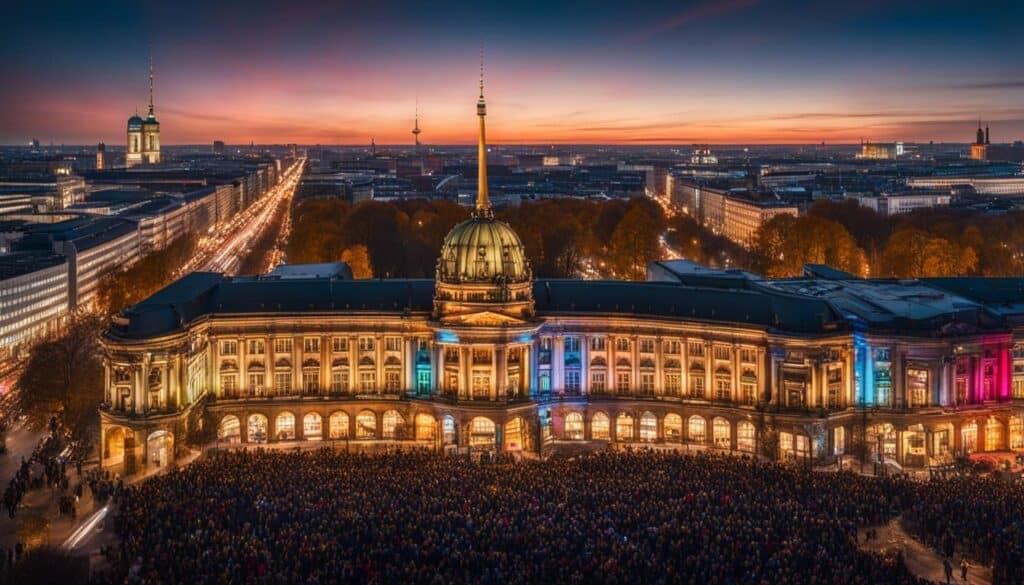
[[312, 427], [160, 448], [482, 433], [230, 429], [257, 428], [113, 447], [515, 434], [425, 424], [448, 434]]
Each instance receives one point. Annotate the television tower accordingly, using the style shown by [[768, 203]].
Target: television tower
[[416, 126]]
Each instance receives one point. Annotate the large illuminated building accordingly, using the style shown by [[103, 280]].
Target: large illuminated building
[[143, 142], [486, 357]]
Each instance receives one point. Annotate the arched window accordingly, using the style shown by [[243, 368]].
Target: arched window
[[624, 428], [600, 427], [574, 426], [696, 430], [673, 427], [721, 433], [257, 428], [481, 432], [745, 436], [312, 427], [1017, 432], [425, 427], [230, 429], [448, 435], [969, 437], [285, 426], [648, 427], [394, 425], [993, 434], [514, 434], [338, 425], [366, 425]]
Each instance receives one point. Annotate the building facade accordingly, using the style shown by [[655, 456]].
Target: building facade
[[485, 357]]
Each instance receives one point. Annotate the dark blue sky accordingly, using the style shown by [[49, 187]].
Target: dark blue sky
[[341, 72]]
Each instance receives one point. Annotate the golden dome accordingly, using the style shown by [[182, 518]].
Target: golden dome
[[482, 249]]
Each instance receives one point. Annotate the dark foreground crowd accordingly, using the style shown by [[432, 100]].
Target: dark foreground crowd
[[982, 517], [309, 518]]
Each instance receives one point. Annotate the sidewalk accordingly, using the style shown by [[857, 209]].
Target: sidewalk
[[920, 559]]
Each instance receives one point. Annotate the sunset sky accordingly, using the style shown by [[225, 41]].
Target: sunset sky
[[714, 71]]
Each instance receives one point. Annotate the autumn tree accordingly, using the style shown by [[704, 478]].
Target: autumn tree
[[358, 260], [785, 243], [635, 243], [63, 377], [915, 253]]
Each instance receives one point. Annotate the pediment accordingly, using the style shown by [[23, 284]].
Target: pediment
[[482, 318]]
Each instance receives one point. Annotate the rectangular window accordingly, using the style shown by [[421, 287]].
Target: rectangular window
[[393, 343], [257, 347], [310, 382], [622, 383], [572, 380], [673, 384], [481, 385], [1018, 387], [367, 381], [597, 343], [339, 382], [598, 382], [545, 344], [229, 348], [572, 345], [723, 389], [748, 356], [723, 352], [339, 344], [229, 385], [392, 381], [423, 380], [311, 344], [621, 344], [749, 393], [697, 386], [283, 345], [647, 382], [366, 344], [481, 356], [696, 349], [256, 384], [672, 347], [282, 383], [646, 345]]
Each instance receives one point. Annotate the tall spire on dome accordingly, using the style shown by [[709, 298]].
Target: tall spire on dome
[[151, 114], [483, 202]]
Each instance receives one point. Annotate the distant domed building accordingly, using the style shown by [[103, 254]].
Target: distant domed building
[[143, 143]]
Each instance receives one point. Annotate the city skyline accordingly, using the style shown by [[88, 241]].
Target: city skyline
[[735, 71]]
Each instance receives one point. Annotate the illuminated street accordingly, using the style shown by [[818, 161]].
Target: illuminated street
[[224, 250]]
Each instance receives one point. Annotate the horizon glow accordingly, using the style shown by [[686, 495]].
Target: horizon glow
[[705, 71]]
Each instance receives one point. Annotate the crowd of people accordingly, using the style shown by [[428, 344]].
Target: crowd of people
[[982, 517], [52, 471], [319, 517]]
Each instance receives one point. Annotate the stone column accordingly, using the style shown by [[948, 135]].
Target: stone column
[[709, 370], [378, 360], [684, 368], [501, 371], [465, 371], [659, 372], [439, 377], [584, 365], [558, 363]]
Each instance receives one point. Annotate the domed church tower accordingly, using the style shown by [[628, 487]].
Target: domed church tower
[[482, 270]]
